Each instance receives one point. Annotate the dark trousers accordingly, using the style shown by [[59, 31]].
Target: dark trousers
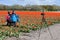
[[11, 23], [8, 23]]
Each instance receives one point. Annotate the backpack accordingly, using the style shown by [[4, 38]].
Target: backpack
[[14, 18]]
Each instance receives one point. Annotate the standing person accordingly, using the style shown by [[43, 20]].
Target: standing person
[[14, 18], [8, 19]]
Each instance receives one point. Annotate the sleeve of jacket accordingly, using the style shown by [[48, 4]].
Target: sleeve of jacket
[[18, 19]]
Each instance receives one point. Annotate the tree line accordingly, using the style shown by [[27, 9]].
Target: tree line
[[30, 7]]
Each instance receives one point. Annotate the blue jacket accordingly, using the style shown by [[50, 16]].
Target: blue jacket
[[14, 18]]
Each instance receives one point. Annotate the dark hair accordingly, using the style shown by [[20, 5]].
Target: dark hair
[[8, 12], [13, 12]]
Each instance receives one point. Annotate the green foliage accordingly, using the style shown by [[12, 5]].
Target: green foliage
[[30, 7]]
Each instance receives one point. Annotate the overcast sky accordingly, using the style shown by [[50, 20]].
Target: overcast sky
[[31, 2]]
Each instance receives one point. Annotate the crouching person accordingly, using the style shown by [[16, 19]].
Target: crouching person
[[14, 19], [8, 19]]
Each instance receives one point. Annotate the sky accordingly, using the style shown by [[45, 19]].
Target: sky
[[30, 2]]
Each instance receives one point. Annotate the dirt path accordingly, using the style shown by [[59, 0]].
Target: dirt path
[[52, 34]]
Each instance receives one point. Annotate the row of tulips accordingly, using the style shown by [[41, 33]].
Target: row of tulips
[[24, 27], [15, 31]]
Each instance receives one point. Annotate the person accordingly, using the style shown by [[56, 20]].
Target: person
[[8, 18], [14, 18]]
